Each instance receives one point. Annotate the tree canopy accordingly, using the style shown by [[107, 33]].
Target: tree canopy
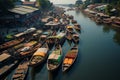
[[44, 4], [78, 2], [6, 4]]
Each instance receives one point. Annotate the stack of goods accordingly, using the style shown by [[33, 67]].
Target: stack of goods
[[55, 57], [68, 61], [39, 54], [30, 43], [70, 56]]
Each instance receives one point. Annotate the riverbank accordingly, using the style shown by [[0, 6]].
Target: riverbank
[[101, 18], [7, 32], [98, 56]]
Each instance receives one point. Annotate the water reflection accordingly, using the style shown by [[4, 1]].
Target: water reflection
[[69, 42], [74, 68], [34, 71], [54, 75], [117, 38], [77, 12], [106, 28], [32, 74]]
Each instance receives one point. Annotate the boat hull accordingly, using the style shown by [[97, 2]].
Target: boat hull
[[66, 67]]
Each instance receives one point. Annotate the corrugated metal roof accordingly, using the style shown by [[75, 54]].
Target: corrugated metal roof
[[4, 56], [29, 7], [23, 9]]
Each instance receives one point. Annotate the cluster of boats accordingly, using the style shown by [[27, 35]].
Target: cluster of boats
[[31, 48], [102, 18]]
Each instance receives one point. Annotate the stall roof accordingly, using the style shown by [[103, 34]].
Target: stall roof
[[23, 9], [19, 34], [18, 11], [51, 23], [29, 7], [4, 56]]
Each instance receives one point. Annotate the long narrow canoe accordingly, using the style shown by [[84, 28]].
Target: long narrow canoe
[[70, 58], [55, 58], [28, 49], [77, 26], [75, 38], [11, 43], [7, 68], [21, 71], [69, 36], [39, 56]]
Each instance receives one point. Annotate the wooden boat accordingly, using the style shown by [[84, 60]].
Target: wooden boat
[[70, 17], [73, 21], [107, 21], [51, 40], [70, 58], [28, 49], [116, 22], [55, 58], [36, 35], [98, 20], [69, 29], [60, 38], [11, 43], [21, 71], [77, 26], [7, 64], [75, 38], [44, 37], [69, 36], [39, 56]]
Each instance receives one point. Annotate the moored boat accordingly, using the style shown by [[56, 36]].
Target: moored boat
[[75, 38], [39, 56], [21, 71], [7, 64], [107, 21], [60, 38], [116, 22], [70, 17], [70, 58], [68, 36], [51, 40], [11, 43], [73, 21], [77, 26], [28, 49], [98, 20], [44, 36], [55, 58], [69, 29]]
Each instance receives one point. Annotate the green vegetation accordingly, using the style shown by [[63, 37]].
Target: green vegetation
[[112, 4], [86, 3], [78, 2], [44, 4]]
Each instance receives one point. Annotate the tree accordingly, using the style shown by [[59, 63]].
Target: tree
[[6, 4], [108, 9], [78, 2], [44, 4]]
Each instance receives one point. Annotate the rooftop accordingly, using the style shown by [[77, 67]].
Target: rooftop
[[23, 9], [4, 56]]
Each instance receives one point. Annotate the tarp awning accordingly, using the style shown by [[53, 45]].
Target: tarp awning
[[4, 56]]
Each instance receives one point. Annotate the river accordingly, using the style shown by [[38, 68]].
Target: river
[[99, 54]]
